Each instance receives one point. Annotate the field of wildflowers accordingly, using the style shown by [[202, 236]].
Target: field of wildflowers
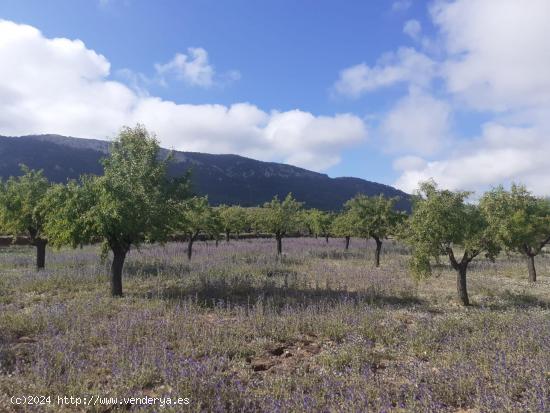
[[238, 330]]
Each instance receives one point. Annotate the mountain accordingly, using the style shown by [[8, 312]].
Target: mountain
[[226, 179]]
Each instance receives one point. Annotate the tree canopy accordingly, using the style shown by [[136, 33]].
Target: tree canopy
[[280, 218], [196, 216], [344, 225], [233, 220], [442, 223], [133, 202], [22, 209], [319, 222], [374, 217], [520, 221]]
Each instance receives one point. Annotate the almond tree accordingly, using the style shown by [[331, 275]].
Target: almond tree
[[233, 220], [196, 216], [319, 222], [132, 203], [279, 218], [520, 221], [442, 223], [375, 218], [253, 221], [22, 209], [344, 225]]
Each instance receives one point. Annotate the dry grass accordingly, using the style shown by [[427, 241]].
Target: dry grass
[[238, 330]]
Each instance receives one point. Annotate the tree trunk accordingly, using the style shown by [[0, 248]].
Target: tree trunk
[[227, 236], [40, 245], [461, 284], [279, 244], [531, 268], [326, 238], [347, 242], [190, 247], [377, 252], [119, 255]]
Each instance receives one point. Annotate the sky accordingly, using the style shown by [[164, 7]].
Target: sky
[[390, 91]]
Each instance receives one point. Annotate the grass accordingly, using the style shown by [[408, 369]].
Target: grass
[[238, 330]]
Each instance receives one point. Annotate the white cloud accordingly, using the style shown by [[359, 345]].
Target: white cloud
[[412, 28], [495, 61], [409, 162], [491, 60], [298, 132], [417, 124], [498, 52], [296, 137], [501, 155], [137, 81], [60, 86], [406, 65], [193, 68]]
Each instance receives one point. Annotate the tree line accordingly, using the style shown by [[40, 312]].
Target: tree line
[[136, 202]]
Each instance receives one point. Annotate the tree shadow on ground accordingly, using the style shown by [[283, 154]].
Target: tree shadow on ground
[[340, 254], [140, 269], [215, 294], [509, 299]]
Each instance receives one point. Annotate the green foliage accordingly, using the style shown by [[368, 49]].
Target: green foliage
[[344, 225], [22, 204], [196, 216], [319, 223], [520, 221], [131, 203], [253, 219], [440, 222], [279, 217], [233, 219], [70, 210], [373, 216]]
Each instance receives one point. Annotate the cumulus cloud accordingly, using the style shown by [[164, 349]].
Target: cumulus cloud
[[409, 162], [296, 131], [417, 124], [498, 56], [296, 137], [193, 68], [61, 86], [493, 63], [496, 62], [502, 154], [405, 65]]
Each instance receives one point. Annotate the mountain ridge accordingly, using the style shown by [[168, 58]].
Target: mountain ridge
[[225, 178]]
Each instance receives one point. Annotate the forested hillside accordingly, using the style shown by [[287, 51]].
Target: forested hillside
[[226, 179]]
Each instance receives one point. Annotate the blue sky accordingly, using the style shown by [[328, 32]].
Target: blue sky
[[390, 91]]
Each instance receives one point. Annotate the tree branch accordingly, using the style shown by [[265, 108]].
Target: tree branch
[[542, 244], [452, 258], [468, 257]]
